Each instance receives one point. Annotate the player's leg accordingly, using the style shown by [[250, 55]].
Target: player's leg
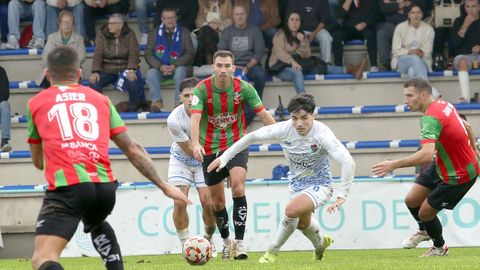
[[206, 202], [47, 251]]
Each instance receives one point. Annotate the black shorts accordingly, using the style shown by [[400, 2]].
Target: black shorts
[[64, 207], [443, 195], [213, 178]]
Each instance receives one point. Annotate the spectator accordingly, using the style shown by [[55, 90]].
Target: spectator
[[213, 17], [3, 21], [466, 42], [65, 36], [187, 11], [55, 6], [116, 59], [291, 40], [412, 45], [26, 9], [95, 8], [246, 43], [263, 14], [4, 111], [169, 54], [359, 20], [316, 18], [142, 8]]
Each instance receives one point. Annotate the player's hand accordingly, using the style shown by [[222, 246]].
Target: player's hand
[[198, 152], [334, 207], [94, 78], [383, 168], [176, 194], [216, 164]]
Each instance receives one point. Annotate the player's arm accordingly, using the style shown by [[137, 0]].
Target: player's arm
[[266, 117], [197, 149], [137, 155], [471, 137], [37, 155], [179, 136], [256, 103]]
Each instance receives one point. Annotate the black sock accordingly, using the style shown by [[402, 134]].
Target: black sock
[[434, 230], [414, 212], [239, 216], [105, 242], [50, 265], [222, 222]]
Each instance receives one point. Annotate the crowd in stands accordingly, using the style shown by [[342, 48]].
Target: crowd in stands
[[186, 33]]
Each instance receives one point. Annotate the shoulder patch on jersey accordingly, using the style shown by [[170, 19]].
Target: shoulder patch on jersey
[[195, 100]]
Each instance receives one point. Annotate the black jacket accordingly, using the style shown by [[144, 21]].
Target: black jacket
[[471, 38], [4, 85]]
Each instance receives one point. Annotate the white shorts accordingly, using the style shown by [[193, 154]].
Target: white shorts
[[181, 174], [319, 195]]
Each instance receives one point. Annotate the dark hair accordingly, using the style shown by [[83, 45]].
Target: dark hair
[[409, 8], [419, 84], [63, 64], [302, 101], [291, 39], [188, 83], [169, 9], [223, 54]]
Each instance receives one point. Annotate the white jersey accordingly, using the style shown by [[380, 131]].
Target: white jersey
[[308, 156], [178, 123]]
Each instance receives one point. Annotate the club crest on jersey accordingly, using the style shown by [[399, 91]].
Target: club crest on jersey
[[236, 98], [314, 147], [222, 120], [195, 100]]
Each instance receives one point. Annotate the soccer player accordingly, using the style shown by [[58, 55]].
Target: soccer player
[[308, 146], [455, 169], [218, 121], [184, 170], [69, 127]]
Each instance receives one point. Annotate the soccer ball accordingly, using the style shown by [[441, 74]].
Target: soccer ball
[[197, 250]]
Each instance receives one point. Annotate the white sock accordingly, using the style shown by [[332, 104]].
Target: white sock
[[286, 228], [464, 85], [183, 235], [313, 233]]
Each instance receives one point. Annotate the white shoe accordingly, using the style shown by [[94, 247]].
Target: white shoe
[[227, 250], [240, 250], [374, 69], [144, 39], [39, 43], [12, 43], [415, 239], [214, 249], [436, 251]]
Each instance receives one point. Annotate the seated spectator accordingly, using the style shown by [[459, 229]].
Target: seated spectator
[[213, 17], [65, 36], [316, 23], [465, 38], [412, 45], [26, 9], [263, 14], [54, 7], [187, 11], [115, 61], [3, 21], [246, 43], [5, 113], [291, 40], [95, 8], [169, 54], [359, 20]]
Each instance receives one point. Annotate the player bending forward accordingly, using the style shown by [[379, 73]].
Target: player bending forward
[[184, 170], [307, 145]]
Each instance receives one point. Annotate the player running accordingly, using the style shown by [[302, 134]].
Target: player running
[[308, 146], [69, 127], [449, 177], [184, 170]]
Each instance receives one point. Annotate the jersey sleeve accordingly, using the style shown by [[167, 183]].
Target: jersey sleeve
[[199, 97], [430, 129], [33, 136], [116, 123], [176, 131], [251, 95]]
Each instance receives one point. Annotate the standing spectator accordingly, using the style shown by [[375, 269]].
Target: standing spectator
[[95, 8], [3, 21], [412, 45], [65, 36], [465, 38], [290, 41], [26, 9], [246, 43], [359, 20], [263, 14], [213, 16], [142, 8], [55, 6], [116, 59], [316, 21], [169, 54], [5, 113]]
